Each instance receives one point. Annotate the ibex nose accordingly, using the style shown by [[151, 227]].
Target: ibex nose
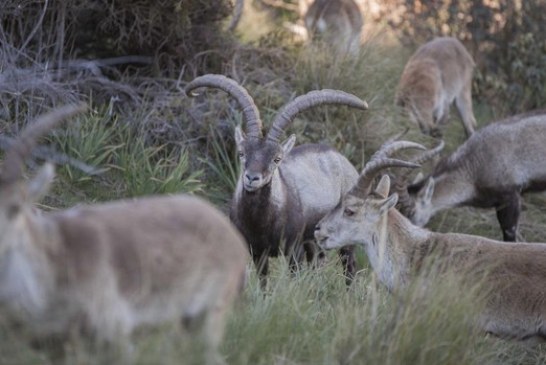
[[319, 234], [251, 178]]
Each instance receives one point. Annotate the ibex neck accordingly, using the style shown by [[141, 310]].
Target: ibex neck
[[25, 273], [395, 245], [451, 190], [262, 203]]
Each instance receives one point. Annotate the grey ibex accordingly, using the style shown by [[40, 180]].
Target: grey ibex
[[282, 190], [438, 73], [514, 274], [106, 269], [490, 170], [337, 22]]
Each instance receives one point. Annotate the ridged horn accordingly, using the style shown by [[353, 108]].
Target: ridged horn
[[380, 161], [405, 203], [12, 169], [232, 88], [429, 154], [303, 102]]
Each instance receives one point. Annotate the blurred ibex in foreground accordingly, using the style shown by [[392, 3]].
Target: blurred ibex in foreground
[[513, 275], [437, 74], [336, 22], [283, 190], [106, 269], [490, 170]]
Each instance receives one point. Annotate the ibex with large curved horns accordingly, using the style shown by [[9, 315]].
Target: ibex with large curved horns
[[491, 169], [284, 190], [514, 274], [106, 269]]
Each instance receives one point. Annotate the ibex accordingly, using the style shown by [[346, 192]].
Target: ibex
[[437, 74], [514, 274], [106, 269], [282, 190], [490, 170], [337, 22]]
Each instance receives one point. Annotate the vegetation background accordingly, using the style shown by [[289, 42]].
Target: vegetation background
[[131, 59]]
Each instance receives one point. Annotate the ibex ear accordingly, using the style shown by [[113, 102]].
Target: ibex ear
[[428, 189], [388, 203], [384, 186], [41, 183], [288, 144], [239, 136], [419, 177]]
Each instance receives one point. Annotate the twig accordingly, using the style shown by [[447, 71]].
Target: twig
[[49, 154]]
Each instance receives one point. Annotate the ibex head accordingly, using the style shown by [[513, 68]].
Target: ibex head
[[17, 194], [261, 156], [415, 201], [356, 220]]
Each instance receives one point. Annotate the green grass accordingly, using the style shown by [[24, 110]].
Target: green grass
[[312, 318]]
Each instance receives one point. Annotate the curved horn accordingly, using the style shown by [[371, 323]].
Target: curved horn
[[12, 169], [405, 202], [430, 154], [380, 161], [421, 159], [303, 102], [230, 86]]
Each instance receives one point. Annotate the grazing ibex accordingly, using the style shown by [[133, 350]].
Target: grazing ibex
[[282, 190], [106, 269], [515, 274], [437, 74], [337, 22], [491, 169]]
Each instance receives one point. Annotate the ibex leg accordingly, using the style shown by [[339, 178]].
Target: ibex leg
[[508, 216], [463, 101]]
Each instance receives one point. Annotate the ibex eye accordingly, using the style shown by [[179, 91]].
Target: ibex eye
[[241, 154], [277, 160], [348, 212]]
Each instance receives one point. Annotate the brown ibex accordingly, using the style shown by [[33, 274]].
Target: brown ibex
[[337, 22], [106, 269], [437, 74], [282, 190], [491, 169], [514, 274]]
